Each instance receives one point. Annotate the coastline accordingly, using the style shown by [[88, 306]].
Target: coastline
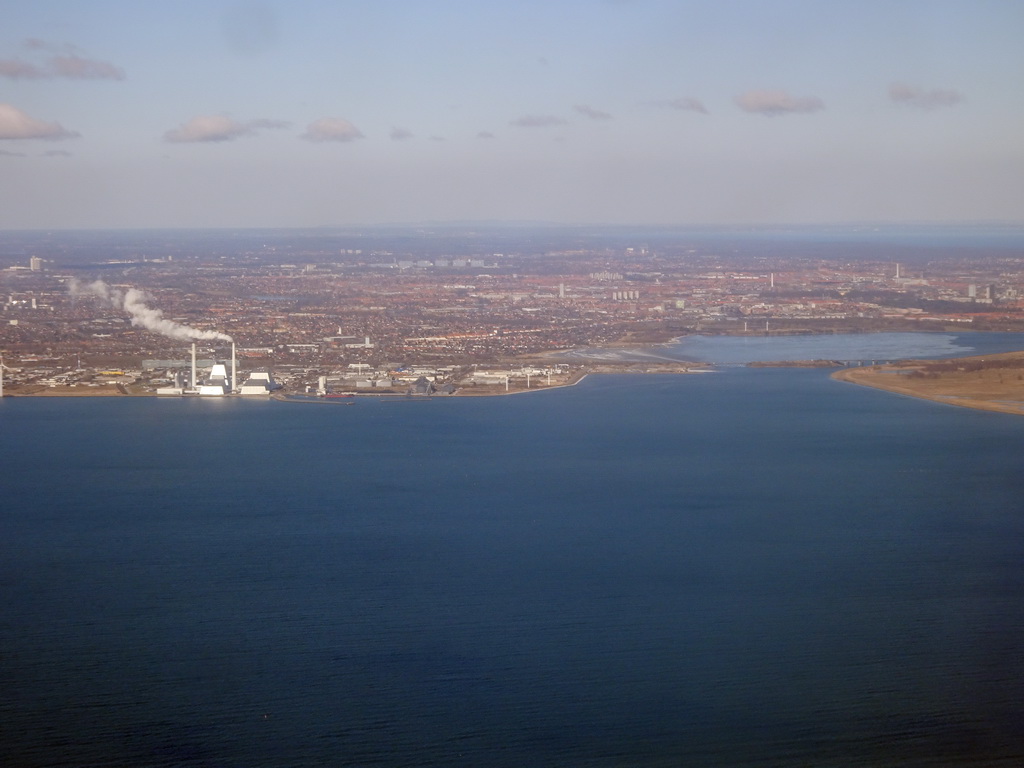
[[476, 390], [990, 382], [112, 390], [983, 382]]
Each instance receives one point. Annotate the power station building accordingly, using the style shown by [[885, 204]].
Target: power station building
[[259, 383], [219, 382]]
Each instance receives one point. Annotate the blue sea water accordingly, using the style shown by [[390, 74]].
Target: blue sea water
[[757, 567]]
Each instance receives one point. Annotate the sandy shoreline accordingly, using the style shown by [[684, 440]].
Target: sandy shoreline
[[984, 382], [38, 391]]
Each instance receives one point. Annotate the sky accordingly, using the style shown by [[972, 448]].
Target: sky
[[309, 113]]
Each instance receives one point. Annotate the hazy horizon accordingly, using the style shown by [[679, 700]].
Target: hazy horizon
[[695, 228]]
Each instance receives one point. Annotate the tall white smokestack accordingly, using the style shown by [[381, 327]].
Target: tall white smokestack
[[193, 365], [234, 369]]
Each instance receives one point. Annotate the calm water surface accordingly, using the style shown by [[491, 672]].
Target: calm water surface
[[849, 348], [751, 568]]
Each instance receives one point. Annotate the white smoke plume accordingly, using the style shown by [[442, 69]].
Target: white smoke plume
[[133, 301]]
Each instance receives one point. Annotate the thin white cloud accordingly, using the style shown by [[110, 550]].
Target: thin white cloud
[[15, 124], [65, 61], [772, 103], [265, 123], [217, 128], [56, 153], [331, 129], [594, 114], [537, 121], [684, 104], [19, 69], [207, 128], [80, 68], [400, 134], [5, 153], [922, 98], [438, 138], [485, 135]]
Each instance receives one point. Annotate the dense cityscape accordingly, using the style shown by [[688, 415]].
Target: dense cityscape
[[451, 309]]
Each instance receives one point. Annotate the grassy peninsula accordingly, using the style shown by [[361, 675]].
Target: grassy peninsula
[[986, 382]]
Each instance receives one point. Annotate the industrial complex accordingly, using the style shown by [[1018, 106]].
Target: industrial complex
[[218, 382]]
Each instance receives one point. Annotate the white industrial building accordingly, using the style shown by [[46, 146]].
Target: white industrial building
[[258, 383], [219, 382]]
